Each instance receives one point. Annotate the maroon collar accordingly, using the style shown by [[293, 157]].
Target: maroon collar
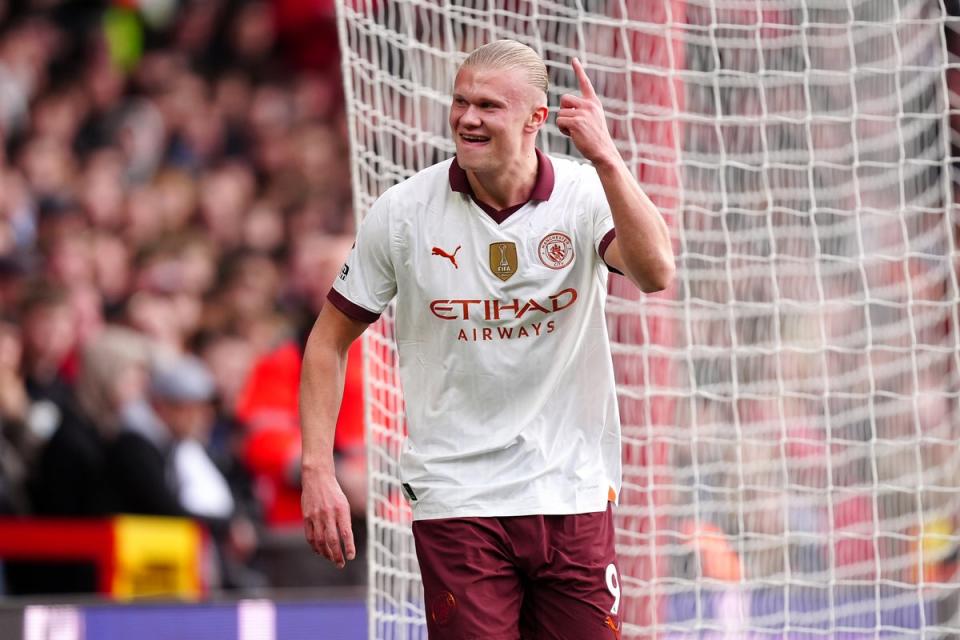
[[542, 188]]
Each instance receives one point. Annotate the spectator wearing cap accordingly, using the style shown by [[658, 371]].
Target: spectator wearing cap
[[160, 466], [157, 460]]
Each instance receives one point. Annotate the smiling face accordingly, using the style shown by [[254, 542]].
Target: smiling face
[[494, 117]]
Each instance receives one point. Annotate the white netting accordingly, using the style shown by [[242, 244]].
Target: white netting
[[792, 443]]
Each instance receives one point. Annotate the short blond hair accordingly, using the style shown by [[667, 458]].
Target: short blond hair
[[510, 54]]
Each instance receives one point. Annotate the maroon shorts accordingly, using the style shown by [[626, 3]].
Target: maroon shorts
[[530, 577]]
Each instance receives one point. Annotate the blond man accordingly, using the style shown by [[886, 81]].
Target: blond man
[[498, 260]]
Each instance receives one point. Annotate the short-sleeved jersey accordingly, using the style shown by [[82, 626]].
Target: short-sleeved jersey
[[504, 355]]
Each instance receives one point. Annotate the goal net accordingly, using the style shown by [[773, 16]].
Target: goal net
[[789, 405]]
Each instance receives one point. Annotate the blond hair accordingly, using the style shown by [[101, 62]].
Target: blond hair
[[510, 54], [104, 362]]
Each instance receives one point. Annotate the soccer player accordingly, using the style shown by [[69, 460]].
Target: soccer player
[[498, 259]]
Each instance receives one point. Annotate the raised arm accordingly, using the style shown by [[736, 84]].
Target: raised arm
[[326, 514], [641, 249]]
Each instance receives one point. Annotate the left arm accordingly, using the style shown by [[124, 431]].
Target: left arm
[[642, 248]]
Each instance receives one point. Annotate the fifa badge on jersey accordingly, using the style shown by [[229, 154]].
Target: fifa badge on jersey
[[503, 259]]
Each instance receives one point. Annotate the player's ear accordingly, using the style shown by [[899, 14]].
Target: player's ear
[[537, 118]]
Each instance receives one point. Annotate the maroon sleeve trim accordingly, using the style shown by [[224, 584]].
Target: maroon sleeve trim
[[351, 310], [604, 245]]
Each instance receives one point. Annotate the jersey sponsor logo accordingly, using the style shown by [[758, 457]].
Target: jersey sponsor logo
[[556, 250], [452, 257], [495, 310], [503, 259], [484, 334], [344, 272]]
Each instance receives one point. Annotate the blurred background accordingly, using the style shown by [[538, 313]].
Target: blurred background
[[174, 203]]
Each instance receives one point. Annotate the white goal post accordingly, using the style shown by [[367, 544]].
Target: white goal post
[[791, 429]]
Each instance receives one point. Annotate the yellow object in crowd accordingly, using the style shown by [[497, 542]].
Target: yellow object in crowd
[[158, 557]]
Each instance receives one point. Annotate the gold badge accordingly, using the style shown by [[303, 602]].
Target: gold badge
[[503, 259]]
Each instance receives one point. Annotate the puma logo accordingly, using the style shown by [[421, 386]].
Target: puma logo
[[613, 626], [452, 257]]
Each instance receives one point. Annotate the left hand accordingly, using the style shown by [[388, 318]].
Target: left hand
[[581, 117]]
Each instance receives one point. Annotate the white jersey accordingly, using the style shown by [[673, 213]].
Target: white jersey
[[504, 356]]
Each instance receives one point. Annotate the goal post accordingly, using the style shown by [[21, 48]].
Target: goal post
[[789, 405]]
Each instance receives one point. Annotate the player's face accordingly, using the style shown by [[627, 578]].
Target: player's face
[[492, 110]]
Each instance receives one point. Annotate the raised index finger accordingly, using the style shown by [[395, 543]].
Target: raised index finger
[[586, 87]]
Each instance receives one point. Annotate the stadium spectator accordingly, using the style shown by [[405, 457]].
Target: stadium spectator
[[66, 477], [153, 460], [229, 357], [69, 477], [49, 335], [268, 405], [14, 430], [112, 375], [159, 463]]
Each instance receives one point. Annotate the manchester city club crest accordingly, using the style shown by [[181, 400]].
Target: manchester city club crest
[[503, 259], [556, 250]]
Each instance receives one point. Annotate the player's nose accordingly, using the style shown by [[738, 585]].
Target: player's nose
[[471, 117]]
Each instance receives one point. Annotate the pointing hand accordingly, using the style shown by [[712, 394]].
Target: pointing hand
[[581, 117]]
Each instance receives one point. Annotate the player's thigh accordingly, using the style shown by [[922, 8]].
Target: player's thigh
[[577, 595], [554, 614], [471, 586]]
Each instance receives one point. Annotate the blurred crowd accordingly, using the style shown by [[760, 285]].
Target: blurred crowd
[[174, 205]]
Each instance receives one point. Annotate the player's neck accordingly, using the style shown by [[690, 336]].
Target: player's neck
[[510, 185]]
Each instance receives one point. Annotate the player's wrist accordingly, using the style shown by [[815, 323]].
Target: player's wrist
[[317, 466], [608, 160]]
